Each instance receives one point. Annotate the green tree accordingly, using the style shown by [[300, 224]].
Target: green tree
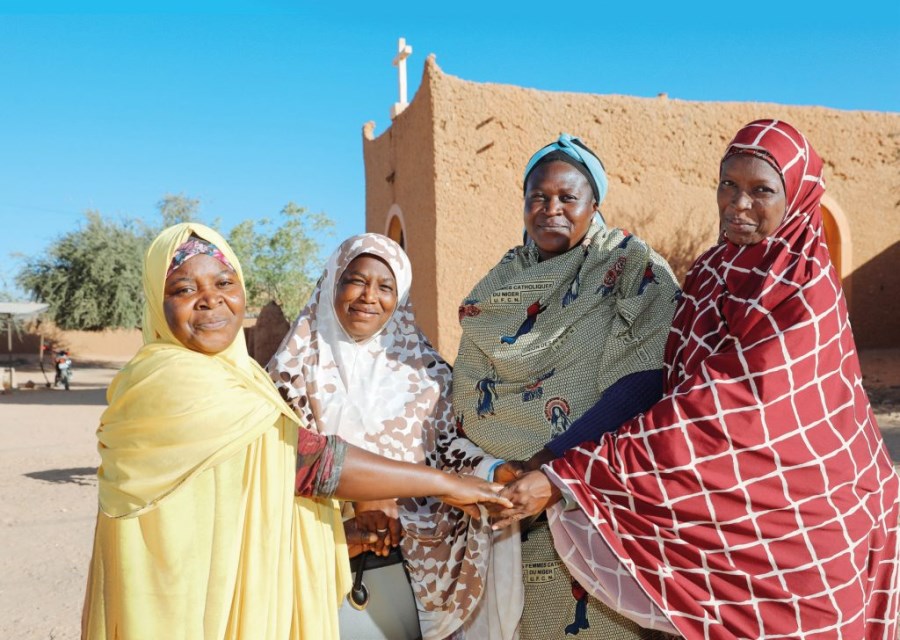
[[280, 263], [174, 209], [90, 277]]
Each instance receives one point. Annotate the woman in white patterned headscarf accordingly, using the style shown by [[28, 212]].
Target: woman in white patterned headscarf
[[356, 365]]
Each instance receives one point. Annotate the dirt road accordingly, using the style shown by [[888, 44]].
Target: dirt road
[[48, 498]]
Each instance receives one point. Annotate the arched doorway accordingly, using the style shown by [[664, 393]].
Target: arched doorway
[[396, 227], [837, 236]]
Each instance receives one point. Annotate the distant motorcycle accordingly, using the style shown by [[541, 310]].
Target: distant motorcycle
[[63, 364]]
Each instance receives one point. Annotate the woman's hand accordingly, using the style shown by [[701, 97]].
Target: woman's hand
[[531, 494], [542, 457], [379, 517], [357, 541], [466, 492], [509, 471]]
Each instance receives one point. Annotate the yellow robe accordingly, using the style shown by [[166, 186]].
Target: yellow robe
[[199, 535]]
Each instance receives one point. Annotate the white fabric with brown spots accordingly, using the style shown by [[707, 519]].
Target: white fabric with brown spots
[[391, 395]]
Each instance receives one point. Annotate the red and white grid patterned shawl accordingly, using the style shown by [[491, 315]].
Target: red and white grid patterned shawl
[[756, 499]]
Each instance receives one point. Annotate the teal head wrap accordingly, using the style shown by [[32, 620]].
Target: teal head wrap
[[572, 150]]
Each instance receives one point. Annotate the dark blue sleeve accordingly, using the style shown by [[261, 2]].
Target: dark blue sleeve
[[624, 399]]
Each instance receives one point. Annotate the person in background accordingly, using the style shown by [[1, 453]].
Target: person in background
[[756, 499], [199, 534]]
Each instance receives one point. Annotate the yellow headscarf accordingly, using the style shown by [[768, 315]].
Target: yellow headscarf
[[174, 412], [225, 554]]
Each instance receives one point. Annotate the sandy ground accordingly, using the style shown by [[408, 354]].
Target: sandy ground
[[48, 498], [48, 490]]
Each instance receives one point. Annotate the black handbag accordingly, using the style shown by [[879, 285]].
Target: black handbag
[[382, 605]]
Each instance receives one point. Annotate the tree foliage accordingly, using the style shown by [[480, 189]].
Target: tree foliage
[[90, 277], [5, 292], [281, 262], [174, 209]]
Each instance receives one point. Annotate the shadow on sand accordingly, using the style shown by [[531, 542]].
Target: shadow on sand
[[91, 394], [83, 476]]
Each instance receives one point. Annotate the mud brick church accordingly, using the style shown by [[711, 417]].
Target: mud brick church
[[445, 181]]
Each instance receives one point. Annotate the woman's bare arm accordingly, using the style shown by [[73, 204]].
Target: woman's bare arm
[[367, 476]]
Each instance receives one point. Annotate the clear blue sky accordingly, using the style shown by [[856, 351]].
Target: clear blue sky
[[253, 104]]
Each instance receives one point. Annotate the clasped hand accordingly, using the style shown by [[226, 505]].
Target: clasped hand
[[526, 487], [377, 528], [516, 493], [379, 517]]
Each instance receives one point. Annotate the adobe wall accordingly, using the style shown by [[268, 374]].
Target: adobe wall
[[662, 157], [265, 333], [113, 345], [120, 345], [399, 168]]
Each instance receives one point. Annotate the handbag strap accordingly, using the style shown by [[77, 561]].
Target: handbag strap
[[369, 560]]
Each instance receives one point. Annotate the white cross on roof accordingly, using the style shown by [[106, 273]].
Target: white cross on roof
[[403, 52]]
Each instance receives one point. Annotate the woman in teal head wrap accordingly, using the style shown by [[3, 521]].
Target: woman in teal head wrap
[[574, 152], [570, 324]]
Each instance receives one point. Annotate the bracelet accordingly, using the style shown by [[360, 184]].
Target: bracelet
[[492, 468]]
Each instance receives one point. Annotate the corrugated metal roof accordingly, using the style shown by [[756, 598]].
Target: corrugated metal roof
[[22, 308]]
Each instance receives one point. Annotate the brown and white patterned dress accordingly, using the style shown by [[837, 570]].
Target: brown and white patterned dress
[[391, 395]]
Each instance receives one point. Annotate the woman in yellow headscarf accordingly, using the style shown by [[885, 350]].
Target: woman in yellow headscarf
[[199, 533]]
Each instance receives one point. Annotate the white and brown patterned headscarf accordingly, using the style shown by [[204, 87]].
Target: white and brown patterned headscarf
[[390, 394]]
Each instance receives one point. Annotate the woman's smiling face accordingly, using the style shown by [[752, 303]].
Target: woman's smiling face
[[559, 207], [366, 296], [751, 199], [204, 304]]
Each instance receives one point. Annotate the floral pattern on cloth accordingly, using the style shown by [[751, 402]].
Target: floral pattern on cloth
[[391, 395], [195, 246], [588, 323], [757, 498]]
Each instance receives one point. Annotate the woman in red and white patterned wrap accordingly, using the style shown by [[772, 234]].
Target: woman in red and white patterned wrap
[[757, 498]]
